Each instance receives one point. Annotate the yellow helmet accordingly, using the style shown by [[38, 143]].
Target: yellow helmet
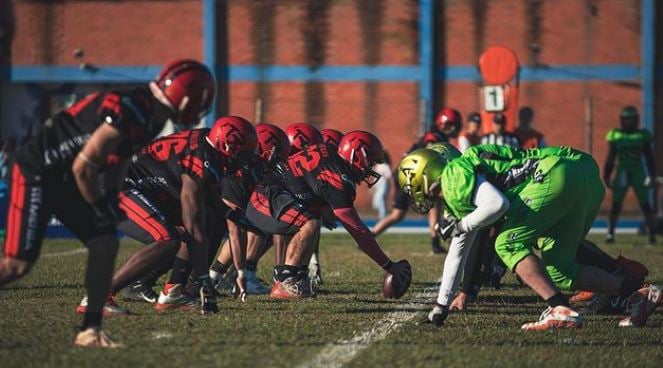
[[417, 173]]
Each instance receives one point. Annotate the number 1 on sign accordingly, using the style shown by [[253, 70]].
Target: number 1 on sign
[[493, 98]]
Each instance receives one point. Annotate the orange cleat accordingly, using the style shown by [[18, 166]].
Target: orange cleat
[[581, 296], [288, 289], [111, 309], [173, 297], [555, 318]]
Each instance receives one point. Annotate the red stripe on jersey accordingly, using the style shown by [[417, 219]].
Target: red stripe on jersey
[[194, 164], [112, 102], [143, 219], [331, 178], [16, 205], [260, 203], [76, 108]]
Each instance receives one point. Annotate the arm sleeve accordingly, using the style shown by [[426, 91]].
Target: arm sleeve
[[361, 234], [453, 266], [490, 204]]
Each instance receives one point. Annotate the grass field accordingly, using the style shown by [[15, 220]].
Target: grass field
[[37, 323]]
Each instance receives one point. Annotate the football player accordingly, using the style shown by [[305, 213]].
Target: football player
[[548, 199], [167, 187], [59, 172], [316, 183], [631, 146], [447, 125]]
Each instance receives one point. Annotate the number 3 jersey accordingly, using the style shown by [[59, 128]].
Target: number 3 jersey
[[158, 168], [318, 176]]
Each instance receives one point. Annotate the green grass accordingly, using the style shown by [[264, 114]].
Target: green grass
[[37, 322]]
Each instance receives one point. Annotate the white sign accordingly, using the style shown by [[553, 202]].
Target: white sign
[[493, 98]]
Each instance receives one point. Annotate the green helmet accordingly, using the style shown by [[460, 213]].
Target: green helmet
[[629, 112], [417, 173], [447, 150]]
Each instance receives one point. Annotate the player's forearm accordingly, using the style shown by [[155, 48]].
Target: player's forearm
[[453, 266], [86, 175], [490, 204], [361, 234], [237, 239]]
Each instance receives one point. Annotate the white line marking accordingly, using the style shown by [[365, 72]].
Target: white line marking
[[66, 253], [424, 230], [339, 353]]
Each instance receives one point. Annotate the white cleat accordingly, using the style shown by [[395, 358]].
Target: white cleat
[[555, 318], [173, 297], [95, 338]]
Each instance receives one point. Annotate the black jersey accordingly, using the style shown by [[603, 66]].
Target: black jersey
[[157, 169], [318, 176], [136, 114]]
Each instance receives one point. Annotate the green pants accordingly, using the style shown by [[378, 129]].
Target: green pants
[[632, 178], [553, 214]]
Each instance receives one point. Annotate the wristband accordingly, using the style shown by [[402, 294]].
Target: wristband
[[387, 265]]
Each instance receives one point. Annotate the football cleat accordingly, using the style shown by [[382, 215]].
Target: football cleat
[[609, 238], [641, 304], [438, 315], [139, 292], [581, 296], [290, 288], [111, 309], [173, 297], [95, 338], [555, 318], [225, 283], [254, 286]]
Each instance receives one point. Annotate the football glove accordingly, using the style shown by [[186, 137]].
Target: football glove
[[107, 211], [402, 275], [448, 228], [207, 296], [438, 315]]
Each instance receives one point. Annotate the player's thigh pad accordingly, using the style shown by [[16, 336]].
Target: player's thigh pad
[[145, 222], [27, 214]]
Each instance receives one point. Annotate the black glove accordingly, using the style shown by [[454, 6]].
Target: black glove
[[401, 272], [448, 228], [329, 223], [207, 297], [107, 211], [438, 315]]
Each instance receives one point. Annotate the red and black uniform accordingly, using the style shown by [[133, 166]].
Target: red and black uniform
[[402, 200], [308, 181], [151, 197], [41, 180]]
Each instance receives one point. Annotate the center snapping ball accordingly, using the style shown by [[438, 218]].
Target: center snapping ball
[[394, 287]]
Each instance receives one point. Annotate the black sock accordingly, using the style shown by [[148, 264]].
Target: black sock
[[302, 273], [435, 242], [219, 267], [557, 299], [91, 320], [181, 271], [629, 286], [282, 272], [251, 265]]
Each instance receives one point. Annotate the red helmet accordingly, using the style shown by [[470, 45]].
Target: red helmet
[[189, 88], [302, 135], [232, 135], [448, 121], [272, 142], [362, 150], [331, 137]]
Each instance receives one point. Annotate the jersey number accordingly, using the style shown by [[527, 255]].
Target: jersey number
[[161, 149], [307, 161]]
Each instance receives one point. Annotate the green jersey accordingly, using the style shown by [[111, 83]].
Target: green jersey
[[506, 168], [630, 147]]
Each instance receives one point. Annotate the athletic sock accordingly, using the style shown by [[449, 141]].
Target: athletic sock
[[251, 265], [181, 271], [217, 268], [557, 299], [282, 272], [91, 319], [435, 242], [629, 286]]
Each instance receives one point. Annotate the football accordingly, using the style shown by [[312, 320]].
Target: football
[[395, 288]]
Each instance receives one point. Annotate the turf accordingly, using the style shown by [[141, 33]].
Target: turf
[[37, 323]]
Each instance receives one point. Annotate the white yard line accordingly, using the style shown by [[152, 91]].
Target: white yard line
[[66, 253], [339, 353]]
